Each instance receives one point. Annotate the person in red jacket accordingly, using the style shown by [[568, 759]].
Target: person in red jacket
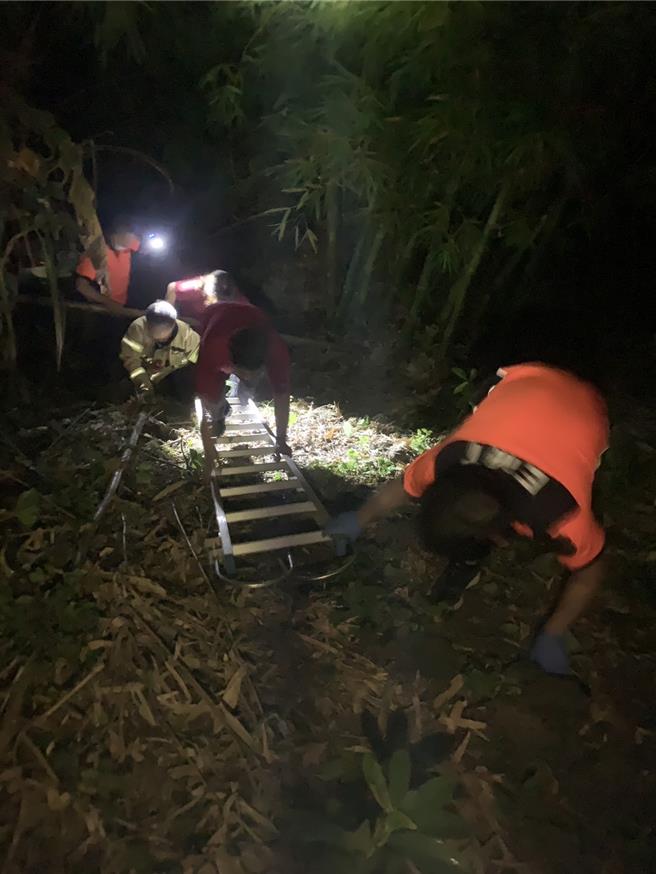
[[239, 339], [191, 297], [524, 461]]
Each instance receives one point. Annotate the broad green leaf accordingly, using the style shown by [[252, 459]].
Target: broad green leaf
[[28, 507], [425, 806], [375, 778], [381, 833], [388, 824], [427, 853], [359, 841], [399, 776]]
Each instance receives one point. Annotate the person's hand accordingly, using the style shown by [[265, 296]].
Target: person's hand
[[549, 652], [283, 447], [146, 393], [345, 525]]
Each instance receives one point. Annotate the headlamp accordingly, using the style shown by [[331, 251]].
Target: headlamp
[[156, 243]]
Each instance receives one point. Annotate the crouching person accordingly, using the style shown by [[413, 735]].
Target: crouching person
[[159, 346], [523, 463]]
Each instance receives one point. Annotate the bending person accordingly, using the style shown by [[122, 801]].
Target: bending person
[[239, 339], [522, 463], [193, 296]]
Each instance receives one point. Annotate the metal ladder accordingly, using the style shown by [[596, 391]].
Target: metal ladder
[[246, 429]]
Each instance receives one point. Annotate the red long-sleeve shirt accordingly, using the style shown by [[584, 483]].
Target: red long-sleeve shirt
[[190, 299], [219, 323]]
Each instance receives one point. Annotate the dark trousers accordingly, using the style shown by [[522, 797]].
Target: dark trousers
[[180, 385]]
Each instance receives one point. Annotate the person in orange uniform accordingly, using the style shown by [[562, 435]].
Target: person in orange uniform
[[110, 291], [191, 297], [523, 462]]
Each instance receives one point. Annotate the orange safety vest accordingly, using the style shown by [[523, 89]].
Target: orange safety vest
[[550, 419], [118, 270]]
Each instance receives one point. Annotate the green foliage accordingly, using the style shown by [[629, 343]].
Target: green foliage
[[28, 507], [421, 440], [465, 390], [48, 206], [404, 825], [53, 602], [425, 167], [362, 467]]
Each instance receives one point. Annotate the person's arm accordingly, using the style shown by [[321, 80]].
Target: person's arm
[[191, 343], [581, 588], [89, 292], [390, 497], [169, 297], [582, 530], [131, 357]]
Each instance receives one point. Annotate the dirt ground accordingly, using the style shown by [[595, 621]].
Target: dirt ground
[[154, 721]]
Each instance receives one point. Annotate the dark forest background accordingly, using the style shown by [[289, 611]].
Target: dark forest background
[[457, 183]]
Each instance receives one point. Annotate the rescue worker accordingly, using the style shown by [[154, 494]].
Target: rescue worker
[[193, 296], [239, 339], [159, 345], [524, 461], [111, 291]]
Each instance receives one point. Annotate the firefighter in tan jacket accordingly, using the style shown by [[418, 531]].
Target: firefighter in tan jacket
[[157, 345]]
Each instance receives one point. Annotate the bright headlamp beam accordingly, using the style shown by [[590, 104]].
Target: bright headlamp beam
[[156, 243]]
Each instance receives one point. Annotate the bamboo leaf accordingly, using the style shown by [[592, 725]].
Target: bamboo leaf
[[427, 853], [373, 774], [28, 508]]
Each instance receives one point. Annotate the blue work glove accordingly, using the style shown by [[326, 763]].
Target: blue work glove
[[345, 525], [549, 652]]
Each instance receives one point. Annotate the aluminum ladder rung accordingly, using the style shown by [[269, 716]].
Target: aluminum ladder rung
[[246, 469], [245, 426], [272, 512], [258, 437], [246, 453], [291, 484], [272, 543]]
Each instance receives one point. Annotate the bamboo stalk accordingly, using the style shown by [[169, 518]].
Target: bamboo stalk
[[126, 313], [120, 470], [458, 292], [348, 288], [59, 313], [129, 313], [332, 216], [70, 694]]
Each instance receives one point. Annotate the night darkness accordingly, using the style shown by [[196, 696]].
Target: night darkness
[[413, 195]]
